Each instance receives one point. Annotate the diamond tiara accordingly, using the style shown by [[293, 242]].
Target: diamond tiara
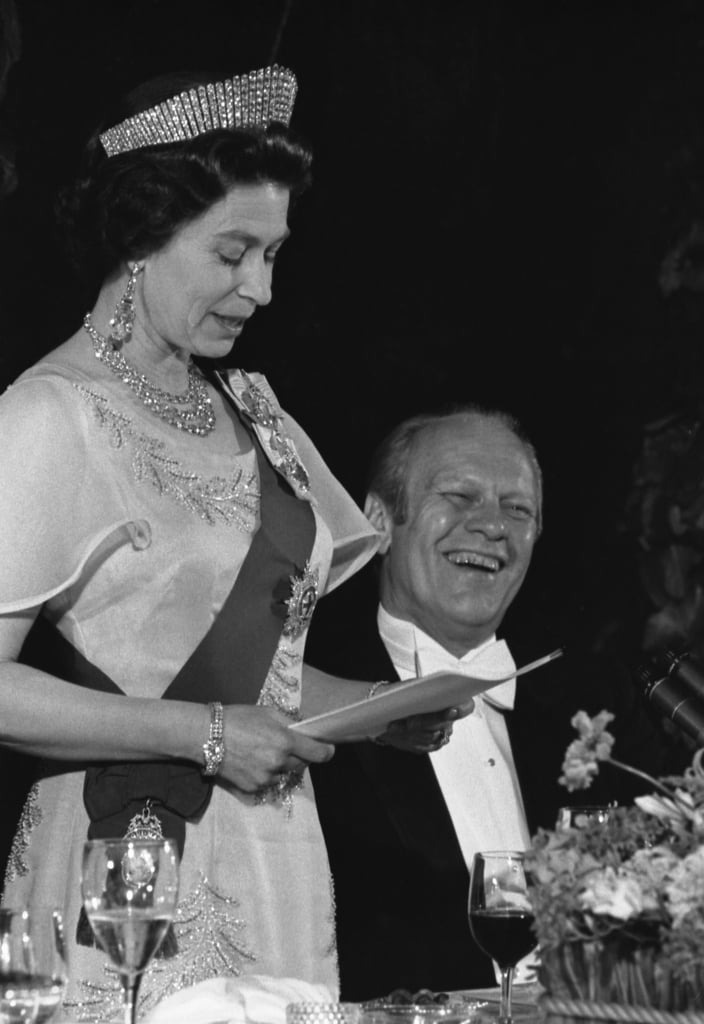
[[245, 101]]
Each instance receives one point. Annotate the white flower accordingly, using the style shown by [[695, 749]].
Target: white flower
[[677, 810], [652, 869], [582, 756], [615, 894], [653, 866], [578, 771], [661, 807], [686, 885]]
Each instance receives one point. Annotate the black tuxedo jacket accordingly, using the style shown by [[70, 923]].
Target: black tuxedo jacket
[[401, 883]]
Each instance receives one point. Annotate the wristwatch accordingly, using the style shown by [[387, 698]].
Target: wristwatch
[[214, 749]]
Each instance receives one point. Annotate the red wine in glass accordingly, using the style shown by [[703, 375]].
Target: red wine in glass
[[500, 916], [504, 935]]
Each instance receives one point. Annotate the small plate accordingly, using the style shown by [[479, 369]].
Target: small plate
[[485, 1002], [453, 1011]]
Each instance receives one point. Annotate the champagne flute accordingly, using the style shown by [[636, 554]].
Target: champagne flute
[[500, 915], [130, 889], [19, 997]]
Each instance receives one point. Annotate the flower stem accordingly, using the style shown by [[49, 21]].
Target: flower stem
[[642, 775]]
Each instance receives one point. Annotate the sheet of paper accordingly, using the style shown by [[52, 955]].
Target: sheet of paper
[[435, 692]]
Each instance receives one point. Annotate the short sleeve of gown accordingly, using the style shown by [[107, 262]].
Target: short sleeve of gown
[[53, 512]]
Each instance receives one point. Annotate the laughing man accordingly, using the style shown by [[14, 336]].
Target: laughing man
[[457, 499]]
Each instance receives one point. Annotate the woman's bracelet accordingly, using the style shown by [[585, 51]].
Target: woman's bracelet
[[372, 690], [214, 747]]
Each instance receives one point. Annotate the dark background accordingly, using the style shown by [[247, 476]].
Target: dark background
[[498, 190]]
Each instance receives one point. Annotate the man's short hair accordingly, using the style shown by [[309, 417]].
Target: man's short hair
[[389, 464]]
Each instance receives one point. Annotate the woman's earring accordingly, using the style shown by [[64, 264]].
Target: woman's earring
[[123, 318]]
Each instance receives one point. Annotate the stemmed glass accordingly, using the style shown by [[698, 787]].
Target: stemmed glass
[[578, 817], [500, 915], [46, 930], [33, 971], [130, 889], [19, 996]]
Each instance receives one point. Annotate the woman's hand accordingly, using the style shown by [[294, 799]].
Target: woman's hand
[[260, 748], [421, 734]]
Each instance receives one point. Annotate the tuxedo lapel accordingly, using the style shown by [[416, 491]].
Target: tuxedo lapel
[[408, 789]]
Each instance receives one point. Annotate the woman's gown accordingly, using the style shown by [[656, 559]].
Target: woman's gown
[[131, 545]]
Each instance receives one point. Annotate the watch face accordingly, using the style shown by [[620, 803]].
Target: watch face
[[214, 750]]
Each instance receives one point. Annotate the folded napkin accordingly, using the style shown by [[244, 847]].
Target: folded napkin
[[253, 999]]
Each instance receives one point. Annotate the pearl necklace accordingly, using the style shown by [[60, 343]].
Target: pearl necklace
[[197, 416]]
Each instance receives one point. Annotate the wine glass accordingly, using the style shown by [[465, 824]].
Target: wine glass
[[578, 817], [33, 970], [19, 995], [500, 915], [130, 889], [50, 968]]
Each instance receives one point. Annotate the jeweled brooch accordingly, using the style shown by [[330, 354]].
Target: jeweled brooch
[[301, 603], [264, 415], [138, 863]]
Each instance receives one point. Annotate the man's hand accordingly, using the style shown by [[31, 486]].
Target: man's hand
[[421, 734]]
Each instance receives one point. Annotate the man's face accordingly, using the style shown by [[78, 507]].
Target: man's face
[[456, 563]]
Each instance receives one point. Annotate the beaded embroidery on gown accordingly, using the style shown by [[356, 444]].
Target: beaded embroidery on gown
[[135, 549]]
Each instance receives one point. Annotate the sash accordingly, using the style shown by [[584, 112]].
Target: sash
[[230, 665]]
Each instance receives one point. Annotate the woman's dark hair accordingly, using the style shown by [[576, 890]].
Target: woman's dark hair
[[127, 206]]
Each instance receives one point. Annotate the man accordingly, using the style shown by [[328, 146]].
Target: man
[[457, 500]]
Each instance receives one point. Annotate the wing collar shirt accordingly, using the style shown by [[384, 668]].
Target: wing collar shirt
[[475, 770]]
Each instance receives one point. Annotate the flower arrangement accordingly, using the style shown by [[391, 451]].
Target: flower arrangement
[[619, 905]]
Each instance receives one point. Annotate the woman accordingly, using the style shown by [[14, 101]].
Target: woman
[[175, 528]]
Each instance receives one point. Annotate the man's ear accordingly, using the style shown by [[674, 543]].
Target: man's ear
[[381, 519]]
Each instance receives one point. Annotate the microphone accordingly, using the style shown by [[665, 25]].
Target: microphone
[[674, 684]]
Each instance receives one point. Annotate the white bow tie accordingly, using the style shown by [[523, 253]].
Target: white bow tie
[[494, 661]]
